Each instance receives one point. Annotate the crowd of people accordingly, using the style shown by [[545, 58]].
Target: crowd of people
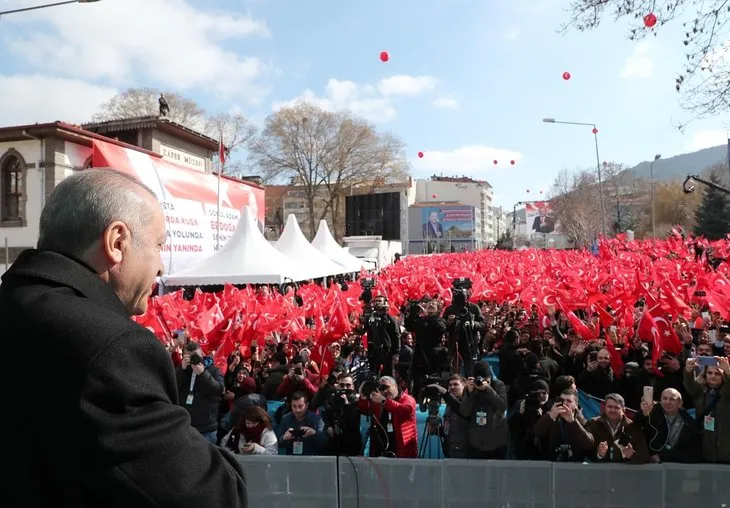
[[361, 393]]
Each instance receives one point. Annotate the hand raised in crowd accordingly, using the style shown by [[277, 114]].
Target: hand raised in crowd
[[592, 366], [556, 410], [198, 369], [602, 449], [646, 407], [723, 363], [470, 385], [567, 413], [185, 361], [690, 364], [377, 397]]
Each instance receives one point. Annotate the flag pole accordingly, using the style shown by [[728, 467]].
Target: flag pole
[[221, 165]]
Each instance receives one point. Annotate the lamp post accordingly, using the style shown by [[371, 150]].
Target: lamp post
[[598, 162], [514, 221], [651, 183], [44, 6]]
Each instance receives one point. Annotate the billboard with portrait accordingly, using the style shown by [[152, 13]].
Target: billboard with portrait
[[455, 222], [540, 219]]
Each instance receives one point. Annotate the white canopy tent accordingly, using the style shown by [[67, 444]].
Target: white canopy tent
[[327, 245], [247, 258], [294, 245]]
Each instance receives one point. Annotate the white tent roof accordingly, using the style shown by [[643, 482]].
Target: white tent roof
[[295, 246], [247, 258], [327, 245]]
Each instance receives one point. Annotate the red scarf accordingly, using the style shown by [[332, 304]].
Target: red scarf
[[253, 434]]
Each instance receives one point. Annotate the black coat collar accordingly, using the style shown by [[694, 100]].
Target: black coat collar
[[66, 271]]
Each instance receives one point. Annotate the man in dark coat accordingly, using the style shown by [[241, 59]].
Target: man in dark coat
[[113, 434]]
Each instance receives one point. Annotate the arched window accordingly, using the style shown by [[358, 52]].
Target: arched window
[[12, 189]]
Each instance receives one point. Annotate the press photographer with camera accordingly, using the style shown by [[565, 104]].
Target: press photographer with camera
[[342, 418], [617, 438], [200, 388], [561, 431], [464, 323], [382, 331], [296, 380], [455, 425], [429, 357], [393, 431], [485, 405], [525, 414]]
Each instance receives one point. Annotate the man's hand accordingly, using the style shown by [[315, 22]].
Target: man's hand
[[567, 413], [185, 361], [592, 366], [646, 407], [450, 320], [438, 387], [723, 364], [229, 395], [248, 448], [308, 431], [556, 410], [198, 369], [287, 435], [470, 386], [522, 406], [690, 364], [627, 451], [602, 449], [377, 397]]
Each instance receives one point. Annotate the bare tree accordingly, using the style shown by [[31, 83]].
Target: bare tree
[[325, 153], [236, 130], [625, 196], [576, 205], [136, 102], [704, 79]]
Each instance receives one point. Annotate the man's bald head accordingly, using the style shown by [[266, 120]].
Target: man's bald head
[[83, 205]]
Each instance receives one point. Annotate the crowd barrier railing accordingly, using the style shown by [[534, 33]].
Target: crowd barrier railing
[[384, 483]]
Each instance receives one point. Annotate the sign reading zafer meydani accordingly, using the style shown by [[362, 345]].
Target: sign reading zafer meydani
[[182, 158]]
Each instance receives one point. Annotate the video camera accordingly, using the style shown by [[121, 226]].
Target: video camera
[[368, 282], [462, 284], [532, 401], [429, 397], [335, 400]]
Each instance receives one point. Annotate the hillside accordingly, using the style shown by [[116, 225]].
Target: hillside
[[679, 166]]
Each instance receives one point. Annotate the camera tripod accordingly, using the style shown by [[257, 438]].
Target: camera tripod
[[434, 427]]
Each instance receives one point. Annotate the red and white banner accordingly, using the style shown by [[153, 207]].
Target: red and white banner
[[189, 199]]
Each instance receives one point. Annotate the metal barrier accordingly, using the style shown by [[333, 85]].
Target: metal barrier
[[288, 482]]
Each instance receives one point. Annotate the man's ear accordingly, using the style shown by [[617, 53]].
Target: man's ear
[[115, 241]]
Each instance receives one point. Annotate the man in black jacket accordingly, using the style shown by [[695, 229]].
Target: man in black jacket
[[199, 388], [125, 440]]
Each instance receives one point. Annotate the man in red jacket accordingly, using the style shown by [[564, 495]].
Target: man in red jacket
[[393, 430]]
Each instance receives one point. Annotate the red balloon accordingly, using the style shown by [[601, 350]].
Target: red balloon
[[512, 162], [420, 155], [566, 75], [433, 196], [384, 56], [495, 162], [650, 20], [594, 131]]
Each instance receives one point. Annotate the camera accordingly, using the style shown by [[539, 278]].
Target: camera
[[368, 282], [563, 453], [593, 356], [623, 439], [532, 401], [462, 283], [298, 371], [429, 397], [297, 434], [368, 387], [479, 381], [196, 359], [336, 402]]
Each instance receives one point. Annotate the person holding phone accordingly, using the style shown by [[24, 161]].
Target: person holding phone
[[252, 434], [710, 391], [302, 430]]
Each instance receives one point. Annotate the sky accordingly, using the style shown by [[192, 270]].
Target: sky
[[467, 82]]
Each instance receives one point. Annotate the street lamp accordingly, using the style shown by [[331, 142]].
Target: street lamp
[[35, 8], [651, 182], [598, 162]]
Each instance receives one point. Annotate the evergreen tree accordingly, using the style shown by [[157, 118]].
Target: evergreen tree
[[712, 218]]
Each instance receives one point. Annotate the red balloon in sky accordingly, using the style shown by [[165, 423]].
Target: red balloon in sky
[[594, 131], [420, 155], [384, 56], [495, 162], [566, 75], [650, 20], [434, 196], [512, 162]]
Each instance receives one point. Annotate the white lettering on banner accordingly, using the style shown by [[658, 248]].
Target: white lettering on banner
[[182, 158]]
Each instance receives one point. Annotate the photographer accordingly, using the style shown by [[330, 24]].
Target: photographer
[[617, 438], [464, 322], [524, 416], [200, 387], [484, 405], [429, 357], [304, 434], [383, 335], [456, 425], [295, 380], [561, 431], [393, 430], [342, 418]]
